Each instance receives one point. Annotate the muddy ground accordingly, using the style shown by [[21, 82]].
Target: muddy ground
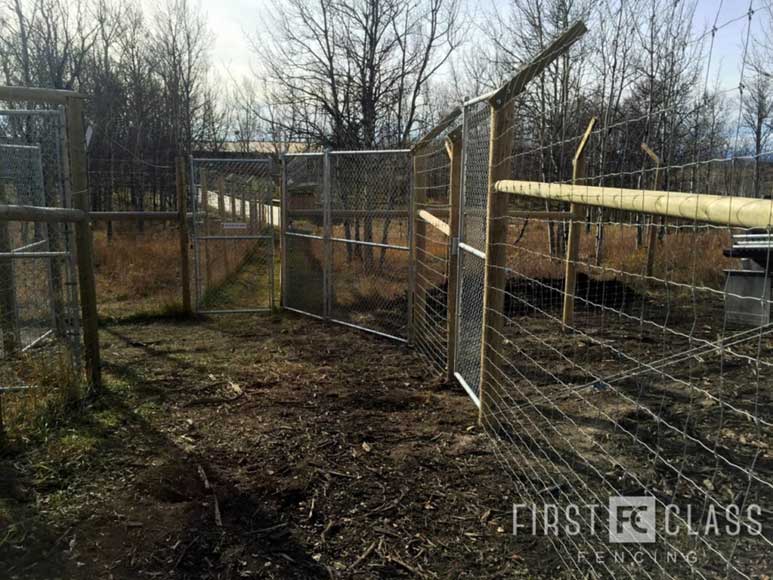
[[262, 447]]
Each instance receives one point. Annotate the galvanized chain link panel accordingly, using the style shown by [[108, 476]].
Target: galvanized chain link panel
[[369, 240], [346, 238], [472, 245], [233, 234], [303, 279], [40, 348]]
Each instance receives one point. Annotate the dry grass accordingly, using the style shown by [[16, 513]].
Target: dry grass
[[53, 385], [137, 272], [682, 255]]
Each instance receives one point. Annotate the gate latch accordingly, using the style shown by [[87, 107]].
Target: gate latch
[[454, 246]]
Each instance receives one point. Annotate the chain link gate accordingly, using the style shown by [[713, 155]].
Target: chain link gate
[[40, 321], [233, 235], [472, 247], [346, 233]]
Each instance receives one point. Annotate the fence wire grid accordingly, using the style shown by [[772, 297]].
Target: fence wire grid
[[646, 373]]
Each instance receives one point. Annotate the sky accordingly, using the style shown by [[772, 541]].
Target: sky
[[234, 22]]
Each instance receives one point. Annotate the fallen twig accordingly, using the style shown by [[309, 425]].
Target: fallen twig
[[364, 556]]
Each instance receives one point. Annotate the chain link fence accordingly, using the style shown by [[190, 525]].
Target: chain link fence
[[40, 354], [233, 234], [346, 238], [472, 240]]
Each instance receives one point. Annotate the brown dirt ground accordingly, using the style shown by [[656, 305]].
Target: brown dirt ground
[[329, 454]]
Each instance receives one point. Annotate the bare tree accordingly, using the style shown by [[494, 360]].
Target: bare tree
[[353, 74]]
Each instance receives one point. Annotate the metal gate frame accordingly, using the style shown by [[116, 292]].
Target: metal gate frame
[[199, 237], [465, 251], [327, 239]]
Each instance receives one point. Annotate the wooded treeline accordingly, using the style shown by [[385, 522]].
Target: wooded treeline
[[146, 73], [379, 73]]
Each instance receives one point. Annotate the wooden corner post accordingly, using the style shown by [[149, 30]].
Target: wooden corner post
[[9, 327], [500, 147], [454, 146], [84, 240], [577, 212], [182, 221], [500, 158]]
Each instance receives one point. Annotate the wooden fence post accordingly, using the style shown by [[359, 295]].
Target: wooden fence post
[[455, 148], [500, 146], [84, 241], [652, 238], [283, 253], [8, 319], [182, 221], [573, 239]]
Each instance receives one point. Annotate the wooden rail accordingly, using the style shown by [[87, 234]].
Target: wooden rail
[[53, 96], [436, 223], [726, 210], [28, 213]]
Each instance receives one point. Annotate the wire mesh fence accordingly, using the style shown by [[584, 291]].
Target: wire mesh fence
[[233, 234], [346, 234], [369, 240], [625, 343], [40, 353]]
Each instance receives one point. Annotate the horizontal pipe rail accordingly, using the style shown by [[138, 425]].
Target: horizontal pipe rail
[[29, 213], [436, 223], [375, 213], [368, 151], [714, 209], [38, 95], [130, 216], [32, 255]]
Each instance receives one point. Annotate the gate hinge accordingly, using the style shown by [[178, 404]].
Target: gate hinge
[[454, 246]]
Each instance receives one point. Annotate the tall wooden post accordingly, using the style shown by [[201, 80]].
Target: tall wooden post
[[500, 147], [8, 321], [454, 146], [652, 238], [84, 240], [182, 221], [573, 241], [283, 250]]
